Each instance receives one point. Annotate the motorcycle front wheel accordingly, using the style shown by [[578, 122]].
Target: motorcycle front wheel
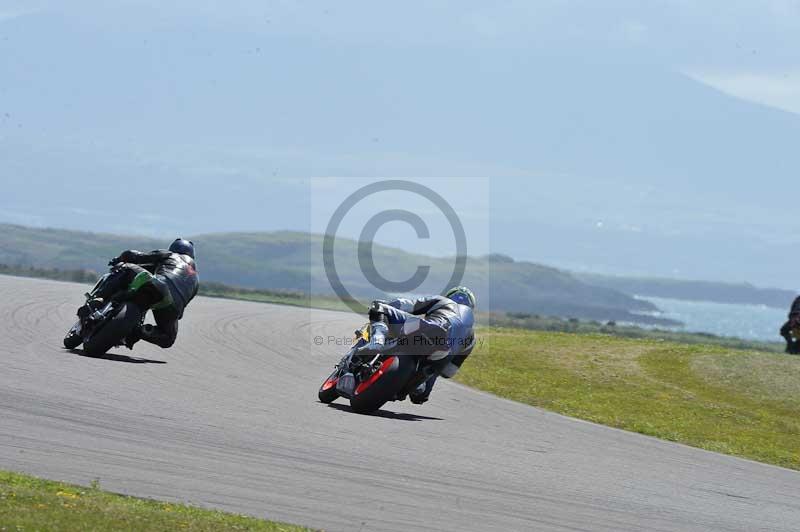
[[73, 338], [327, 392]]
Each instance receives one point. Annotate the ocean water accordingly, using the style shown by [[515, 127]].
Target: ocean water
[[751, 322]]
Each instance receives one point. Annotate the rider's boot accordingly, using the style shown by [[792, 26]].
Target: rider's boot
[[377, 337], [418, 396], [422, 392], [136, 335], [378, 332]]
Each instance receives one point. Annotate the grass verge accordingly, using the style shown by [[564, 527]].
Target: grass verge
[[28, 503], [739, 402]]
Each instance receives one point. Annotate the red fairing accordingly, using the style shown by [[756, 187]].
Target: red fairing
[[375, 376], [328, 384]]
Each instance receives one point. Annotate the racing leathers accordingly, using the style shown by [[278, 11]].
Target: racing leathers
[[174, 277], [436, 328]]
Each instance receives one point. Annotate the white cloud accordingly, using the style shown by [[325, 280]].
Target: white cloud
[[776, 89]]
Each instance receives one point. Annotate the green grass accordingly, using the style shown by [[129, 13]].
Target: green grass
[[28, 503], [744, 403]]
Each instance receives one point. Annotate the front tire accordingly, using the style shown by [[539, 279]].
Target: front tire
[[396, 375], [114, 331], [327, 392], [73, 338]]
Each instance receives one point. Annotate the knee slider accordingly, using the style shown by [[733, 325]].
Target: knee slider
[[168, 342], [449, 370]]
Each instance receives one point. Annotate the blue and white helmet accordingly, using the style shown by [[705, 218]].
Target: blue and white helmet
[[462, 295]]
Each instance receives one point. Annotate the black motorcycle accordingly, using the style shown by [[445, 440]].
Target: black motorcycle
[[113, 309], [371, 380]]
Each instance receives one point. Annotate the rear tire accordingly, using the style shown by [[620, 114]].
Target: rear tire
[[114, 331], [330, 394], [386, 387]]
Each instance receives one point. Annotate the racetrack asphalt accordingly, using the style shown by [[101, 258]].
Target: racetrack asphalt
[[228, 418]]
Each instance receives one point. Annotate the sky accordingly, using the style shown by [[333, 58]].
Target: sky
[[643, 138]]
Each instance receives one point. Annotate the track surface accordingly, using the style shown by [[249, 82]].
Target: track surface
[[229, 420]]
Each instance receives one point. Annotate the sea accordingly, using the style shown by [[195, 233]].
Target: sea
[[750, 322]]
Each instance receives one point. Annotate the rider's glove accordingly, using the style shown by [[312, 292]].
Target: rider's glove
[[126, 256], [377, 312]]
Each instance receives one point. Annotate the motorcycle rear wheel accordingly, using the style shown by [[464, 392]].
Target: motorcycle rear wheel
[[386, 388], [114, 331]]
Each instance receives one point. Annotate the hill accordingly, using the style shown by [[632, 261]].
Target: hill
[[293, 261], [743, 293]]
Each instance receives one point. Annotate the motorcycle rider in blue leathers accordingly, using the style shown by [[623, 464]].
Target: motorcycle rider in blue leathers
[[439, 328]]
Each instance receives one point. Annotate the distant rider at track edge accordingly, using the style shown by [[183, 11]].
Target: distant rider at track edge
[[439, 328], [791, 329], [171, 275]]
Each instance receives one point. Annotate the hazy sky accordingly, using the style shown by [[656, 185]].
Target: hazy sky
[[625, 137]]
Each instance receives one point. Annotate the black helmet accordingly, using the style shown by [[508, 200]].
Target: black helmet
[[183, 247]]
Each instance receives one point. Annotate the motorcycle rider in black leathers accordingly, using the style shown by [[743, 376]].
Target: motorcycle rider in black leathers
[[173, 275], [791, 325], [439, 328]]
